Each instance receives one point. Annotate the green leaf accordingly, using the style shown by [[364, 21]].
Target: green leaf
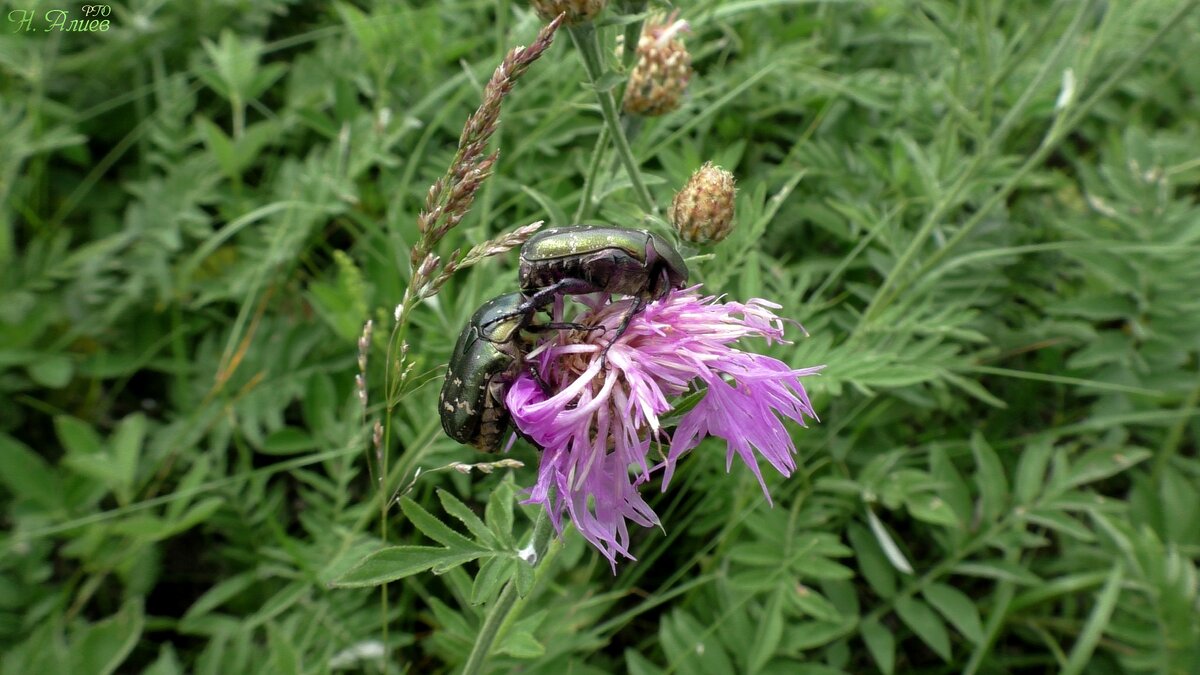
[[608, 81], [288, 441], [284, 656], [499, 512], [1093, 630], [521, 645], [1031, 471], [890, 549], [1100, 464], [872, 563], [53, 371], [636, 664], [927, 626], [1000, 570], [524, 578], [467, 517], [27, 475], [931, 509], [220, 146], [557, 216], [957, 608], [397, 562], [492, 573], [127, 450], [805, 635], [881, 644], [219, 594], [435, 529], [77, 436], [103, 646], [1059, 522], [769, 633], [814, 604], [990, 478]]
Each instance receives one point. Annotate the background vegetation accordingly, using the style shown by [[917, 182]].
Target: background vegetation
[[983, 211]]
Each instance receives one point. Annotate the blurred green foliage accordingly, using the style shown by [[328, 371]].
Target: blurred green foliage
[[203, 204]]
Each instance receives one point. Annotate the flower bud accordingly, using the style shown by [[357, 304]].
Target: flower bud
[[578, 11], [702, 212], [662, 71]]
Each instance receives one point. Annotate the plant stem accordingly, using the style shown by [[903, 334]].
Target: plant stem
[[589, 181], [633, 32], [584, 37], [504, 602]]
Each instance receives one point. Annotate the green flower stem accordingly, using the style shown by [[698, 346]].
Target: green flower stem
[[633, 32], [504, 602], [584, 37], [589, 181]]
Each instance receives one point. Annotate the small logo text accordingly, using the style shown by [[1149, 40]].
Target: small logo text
[[93, 20]]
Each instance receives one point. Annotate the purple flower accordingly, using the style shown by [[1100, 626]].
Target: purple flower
[[601, 421]]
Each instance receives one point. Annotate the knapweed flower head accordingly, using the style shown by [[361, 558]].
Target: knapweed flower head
[[577, 11], [598, 416], [663, 69], [702, 212]]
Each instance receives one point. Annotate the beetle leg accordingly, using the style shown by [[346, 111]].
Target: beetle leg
[[559, 325], [537, 377], [638, 305], [545, 296]]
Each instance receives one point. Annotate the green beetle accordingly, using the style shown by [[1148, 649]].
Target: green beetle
[[485, 362], [585, 259]]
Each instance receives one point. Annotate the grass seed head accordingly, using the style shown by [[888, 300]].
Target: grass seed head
[[577, 11]]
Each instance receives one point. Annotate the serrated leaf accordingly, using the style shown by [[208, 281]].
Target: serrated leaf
[[397, 562], [925, 624], [881, 644], [957, 608]]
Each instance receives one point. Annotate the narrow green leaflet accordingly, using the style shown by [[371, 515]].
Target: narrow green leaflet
[[922, 620]]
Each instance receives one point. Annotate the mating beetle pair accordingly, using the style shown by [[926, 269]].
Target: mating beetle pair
[[559, 261]]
